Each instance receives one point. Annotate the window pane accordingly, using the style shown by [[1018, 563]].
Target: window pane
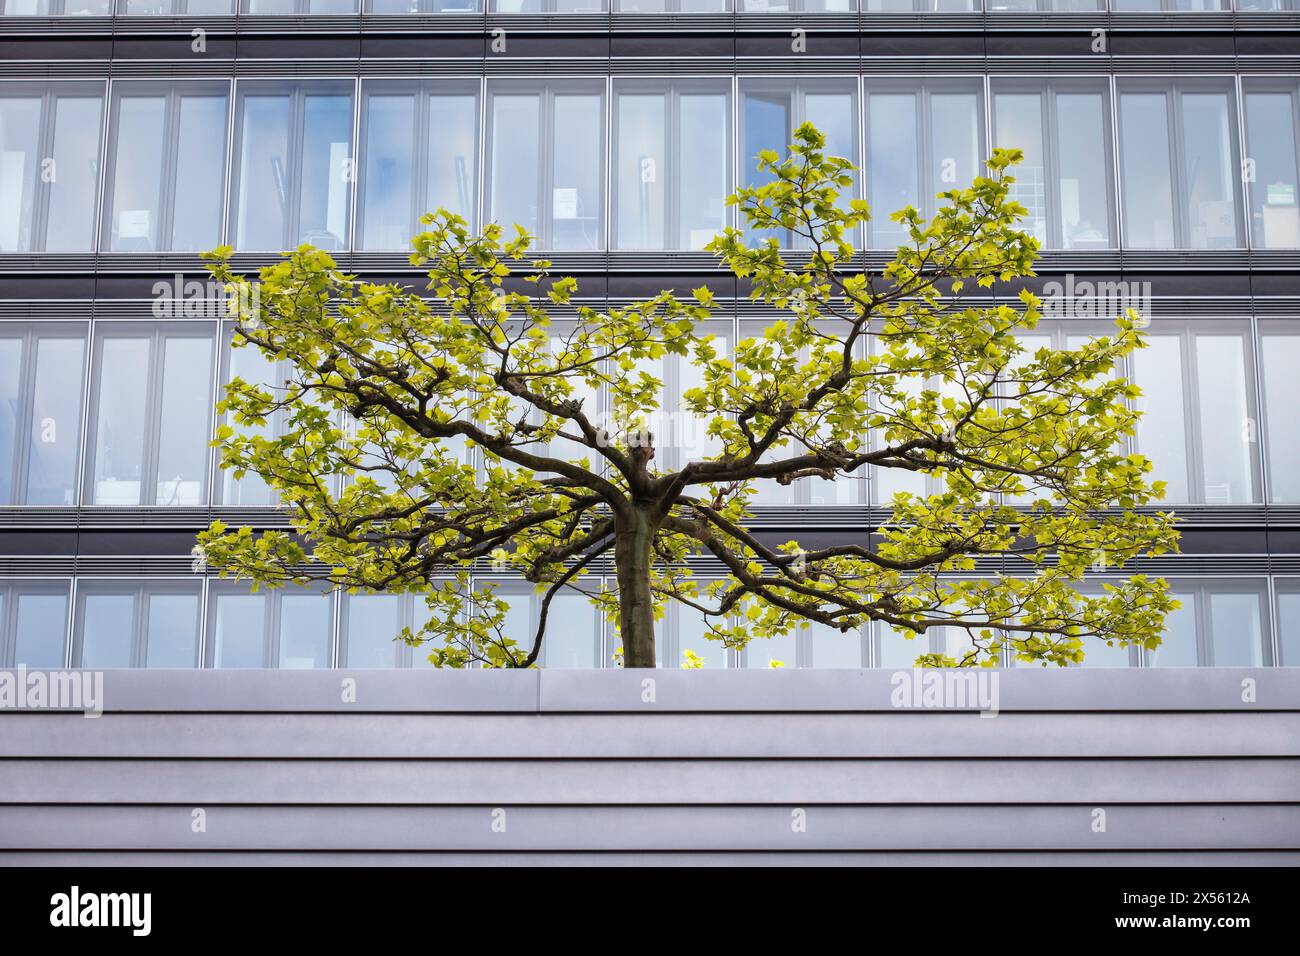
[[263, 173], [453, 155], [107, 630], [305, 630], [1209, 168], [576, 193], [1084, 194], [1236, 630], [702, 157], [1161, 433], [1280, 358], [1020, 126], [374, 620], [516, 135], [1226, 422], [1096, 653], [239, 630], [641, 178], [893, 164], [120, 424], [171, 636], [200, 172], [20, 127], [184, 421], [1146, 164], [71, 225], [56, 421], [692, 628], [137, 172], [900, 650], [11, 358], [570, 639], [1274, 197], [326, 161], [250, 365], [390, 151], [1288, 625], [763, 652], [831, 648], [39, 629], [954, 131], [1178, 643]]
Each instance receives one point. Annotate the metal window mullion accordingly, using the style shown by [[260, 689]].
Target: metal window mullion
[[228, 167], [167, 188], [349, 238], [271, 615], [1204, 626], [68, 621], [1178, 168], [1243, 224], [101, 168], [1255, 392], [1052, 170], [139, 625], [294, 168], [673, 234], [1192, 411], [423, 151], [150, 454], [44, 188], [28, 344], [1115, 180]]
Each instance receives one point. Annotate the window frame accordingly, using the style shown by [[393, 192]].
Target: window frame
[[1051, 88], [272, 621], [297, 91], [1174, 89], [546, 89], [672, 89], [29, 334], [49, 92], [11, 588], [157, 334], [140, 590], [423, 91], [172, 176]]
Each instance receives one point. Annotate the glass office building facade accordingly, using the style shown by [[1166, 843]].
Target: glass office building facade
[[1162, 154]]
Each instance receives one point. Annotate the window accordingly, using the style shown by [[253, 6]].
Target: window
[[128, 624], [1046, 6], [797, 6], [548, 6], [166, 167], [152, 415], [1220, 624], [42, 373], [49, 166], [420, 152], [922, 139], [770, 110], [843, 490], [670, 6], [1288, 621], [574, 628], [249, 364], [671, 151], [686, 629], [1265, 6], [547, 162], [423, 6], [33, 623], [174, 8], [1279, 356], [372, 624], [1065, 180], [900, 649], [810, 644], [920, 6], [1179, 166], [289, 628], [293, 7], [294, 148], [1125, 6], [55, 8], [1199, 422], [1272, 135]]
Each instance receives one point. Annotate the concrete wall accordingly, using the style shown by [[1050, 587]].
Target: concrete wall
[[718, 767]]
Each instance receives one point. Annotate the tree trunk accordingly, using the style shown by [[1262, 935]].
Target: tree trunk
[[636, 618]]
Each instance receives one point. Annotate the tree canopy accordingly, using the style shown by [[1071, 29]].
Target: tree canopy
[[907, 369]]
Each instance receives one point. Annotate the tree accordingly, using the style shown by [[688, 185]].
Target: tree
[[946, 391]]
